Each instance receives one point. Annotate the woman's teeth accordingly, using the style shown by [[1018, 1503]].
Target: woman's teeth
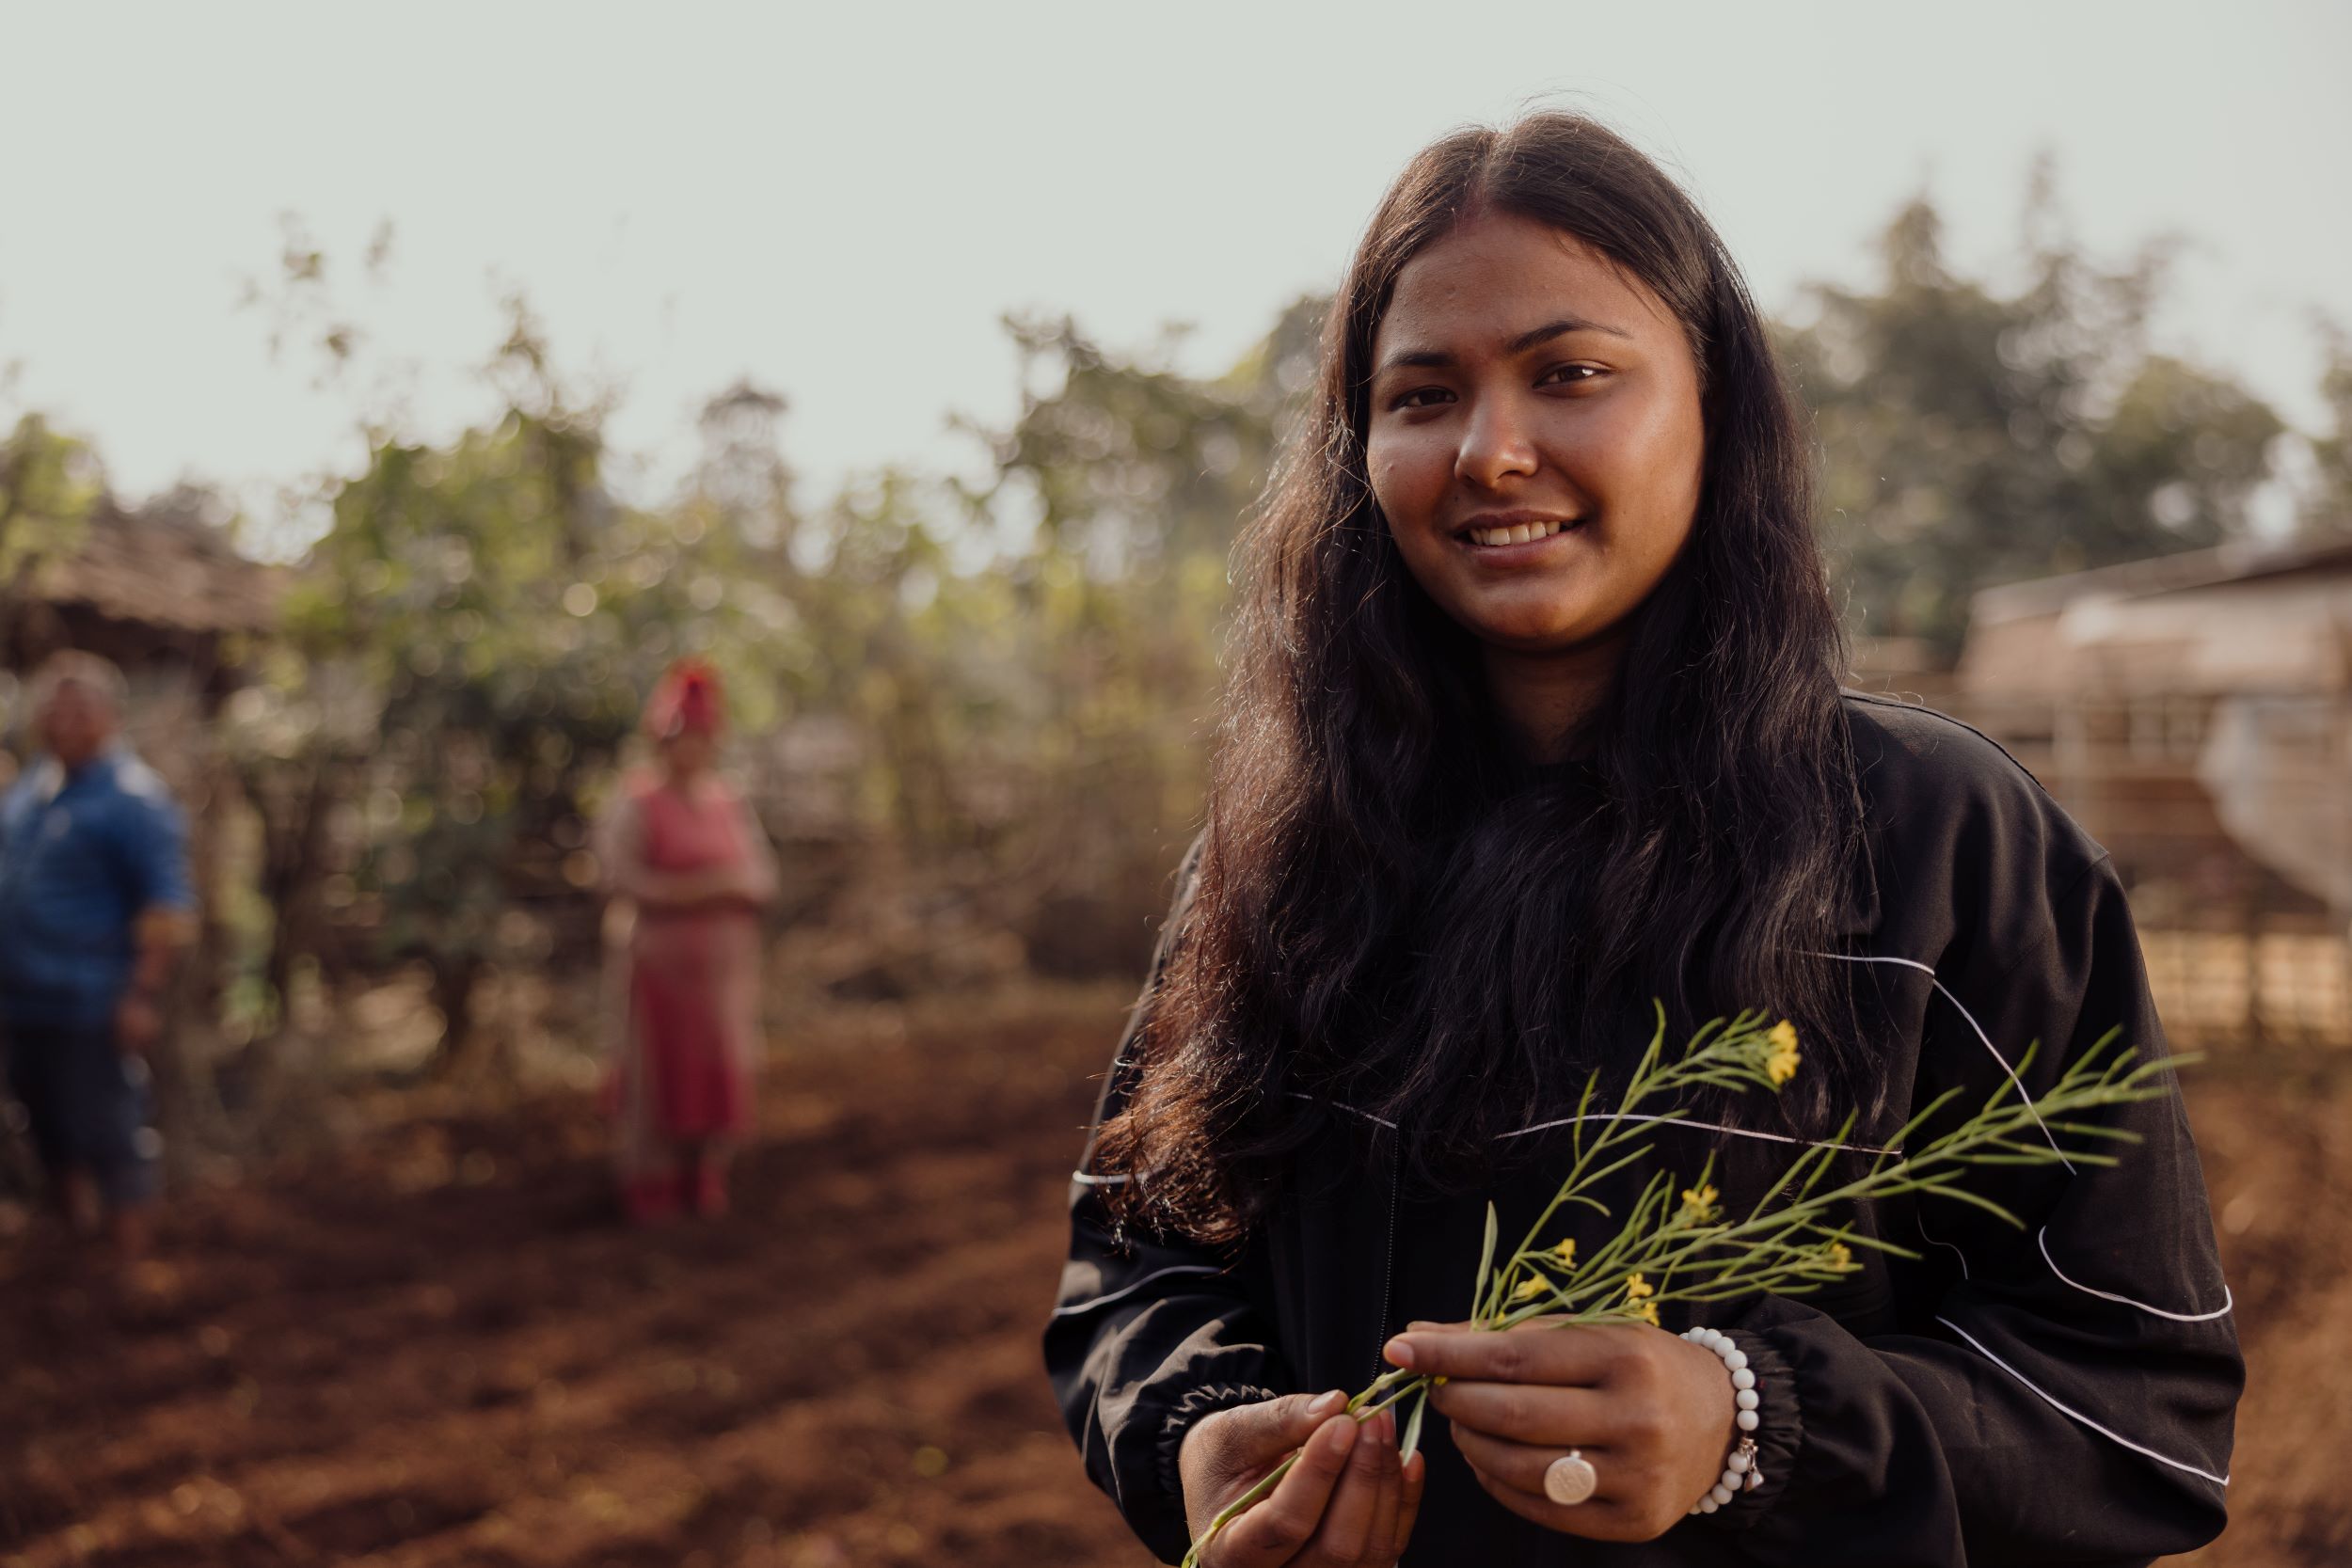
[[1518, 534]]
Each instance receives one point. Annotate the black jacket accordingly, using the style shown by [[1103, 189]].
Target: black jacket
[[2062, 1394]]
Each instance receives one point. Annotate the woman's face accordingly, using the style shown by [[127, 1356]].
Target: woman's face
[[689, 753], [1535, 440]]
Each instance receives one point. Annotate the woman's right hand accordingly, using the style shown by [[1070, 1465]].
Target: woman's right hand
[[1346, 1501]]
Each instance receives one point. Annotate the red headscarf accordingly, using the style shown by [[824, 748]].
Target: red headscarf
[[688, 697]]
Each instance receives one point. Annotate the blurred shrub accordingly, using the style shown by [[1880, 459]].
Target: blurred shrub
[[1973, 436]]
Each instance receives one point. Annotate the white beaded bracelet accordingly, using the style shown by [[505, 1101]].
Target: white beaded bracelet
[[1740, 1472]]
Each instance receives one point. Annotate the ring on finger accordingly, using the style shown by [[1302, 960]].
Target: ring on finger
[[1570, 1479]]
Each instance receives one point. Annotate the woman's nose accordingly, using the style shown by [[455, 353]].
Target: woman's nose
[[1496, 445]]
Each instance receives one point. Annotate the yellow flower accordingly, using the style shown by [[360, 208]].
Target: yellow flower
[[1698, 1203], [1529, 1288], [1780, 1064], [1841, 1258], [1565, 1253], [1636, 1287], [1648, 1312]]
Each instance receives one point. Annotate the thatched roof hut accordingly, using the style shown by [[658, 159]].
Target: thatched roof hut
[[159, 590], [158, 586]]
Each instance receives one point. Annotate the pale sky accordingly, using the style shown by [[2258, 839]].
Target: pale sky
[[841, 200]]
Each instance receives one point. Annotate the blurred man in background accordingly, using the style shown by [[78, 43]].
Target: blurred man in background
[[94, 903]]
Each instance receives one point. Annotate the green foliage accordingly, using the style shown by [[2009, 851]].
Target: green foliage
[[1972, 437], [48, 483], [1112, 511], [2327, 510], [475, 632]]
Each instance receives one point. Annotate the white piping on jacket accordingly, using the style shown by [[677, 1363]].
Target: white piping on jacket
[[2076, 1415], [2228, 1301], [1945, 990], [1131, 1287], [1919, 1218], [1087, 1179], [2043, 1238], [1710, 1126]]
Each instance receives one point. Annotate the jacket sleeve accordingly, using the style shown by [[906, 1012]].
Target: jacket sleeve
[[2068, 1397], [1150, 1333]]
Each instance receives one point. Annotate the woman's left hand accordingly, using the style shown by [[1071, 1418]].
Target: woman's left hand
[[1650, 1411]]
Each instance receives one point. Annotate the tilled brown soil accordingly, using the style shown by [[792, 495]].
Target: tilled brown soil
[[437, 1347]]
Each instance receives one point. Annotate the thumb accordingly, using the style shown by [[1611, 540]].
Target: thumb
[[1262, 1433]]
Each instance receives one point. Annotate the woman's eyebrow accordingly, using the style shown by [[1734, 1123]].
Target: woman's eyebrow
[[1428, 358], [1561, 328]]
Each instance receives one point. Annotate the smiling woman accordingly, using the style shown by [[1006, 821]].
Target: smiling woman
[[1535, 715], [1538, 479]]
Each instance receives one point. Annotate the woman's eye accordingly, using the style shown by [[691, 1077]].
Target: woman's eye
[[1568, 375], [1421, 396]]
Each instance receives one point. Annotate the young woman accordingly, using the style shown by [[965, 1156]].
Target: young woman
[[1535, 716], [693, 868]]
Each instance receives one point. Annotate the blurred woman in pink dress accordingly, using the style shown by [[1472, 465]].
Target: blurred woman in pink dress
[[689, 870]]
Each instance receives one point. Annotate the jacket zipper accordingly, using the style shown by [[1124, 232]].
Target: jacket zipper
[[1388, 1275]]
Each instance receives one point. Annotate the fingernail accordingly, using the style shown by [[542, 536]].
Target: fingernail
[[1339, 1437], [1420, 1323], [1325, 1403], [1398, 1351]]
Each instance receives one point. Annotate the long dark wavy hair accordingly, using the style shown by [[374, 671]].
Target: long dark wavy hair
[[1393, 912]]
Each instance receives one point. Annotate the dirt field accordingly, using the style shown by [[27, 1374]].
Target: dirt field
[[437, 1350]]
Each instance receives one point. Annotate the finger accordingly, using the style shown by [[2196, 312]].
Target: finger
[[1353, 1514], [1530, 1413], [1521, 1466], [1273, 1531], [1392, 1491], [1560, 1357], [1410, 1476], [1252, 1436]]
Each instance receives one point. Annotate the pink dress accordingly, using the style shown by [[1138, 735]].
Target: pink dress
[[689, 1008]]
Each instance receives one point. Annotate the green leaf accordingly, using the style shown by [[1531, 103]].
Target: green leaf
[[1485, 1263], [1411, 1445]]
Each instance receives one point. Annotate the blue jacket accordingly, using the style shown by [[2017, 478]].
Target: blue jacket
[[82, 857]]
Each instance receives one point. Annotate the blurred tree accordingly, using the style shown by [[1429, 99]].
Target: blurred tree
[[1972, 437], [475, 631], [2328, 508], [48, 485], [1113, 503]]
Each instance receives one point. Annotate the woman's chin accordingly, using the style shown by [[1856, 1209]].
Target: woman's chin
[[1543, 634]]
